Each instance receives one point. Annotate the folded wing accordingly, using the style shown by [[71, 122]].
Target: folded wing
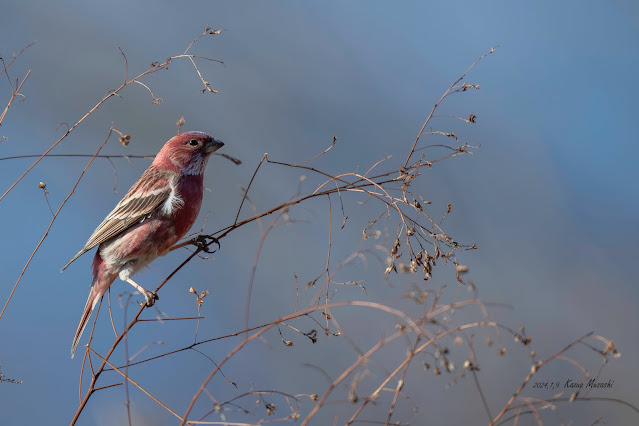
[[148, 194]]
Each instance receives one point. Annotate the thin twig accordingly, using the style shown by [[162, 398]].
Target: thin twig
[[46, 232]]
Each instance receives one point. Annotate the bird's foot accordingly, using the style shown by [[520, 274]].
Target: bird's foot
[[150, 298], [203, 242]]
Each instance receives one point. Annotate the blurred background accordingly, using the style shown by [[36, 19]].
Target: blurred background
[[547, 198]]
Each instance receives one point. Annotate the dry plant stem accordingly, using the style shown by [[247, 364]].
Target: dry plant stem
[[200, 342], [85, 357], [357, 186], [584, 371], [169, 319], [532, 373], [473, 359], [381, 343], [133, 382], [197, 327], [109, 386], [412, 326], [248, 187], [399, 368], [400, 382], [115, 332], [589, 399], [225, 423], [45, 195], [142, 349], [126, 357], [250, 393], [204, 82], [328, 259], [596, 378], [117, 341], [6, 66], [225, 231], [320, 154], [453, 116], [116, 92], [263, 234], [46, 232], [110, 157], [14, 93], [432, 112], [306, 311], [78, 155]]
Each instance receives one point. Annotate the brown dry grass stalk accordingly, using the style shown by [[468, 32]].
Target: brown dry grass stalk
[[417, 244]]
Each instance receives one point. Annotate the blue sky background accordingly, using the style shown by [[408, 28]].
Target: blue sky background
[[550, 197]]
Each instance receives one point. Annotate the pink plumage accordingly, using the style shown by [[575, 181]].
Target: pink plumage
[[155, 213]]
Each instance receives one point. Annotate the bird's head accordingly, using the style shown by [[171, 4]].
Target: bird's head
[[187, 153]]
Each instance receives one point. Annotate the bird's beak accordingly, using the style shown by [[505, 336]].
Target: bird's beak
[[213, 145]]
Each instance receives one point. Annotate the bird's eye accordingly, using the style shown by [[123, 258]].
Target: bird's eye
[[193, 142]]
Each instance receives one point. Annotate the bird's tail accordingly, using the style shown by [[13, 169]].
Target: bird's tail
[[102, 280], [94, 298]]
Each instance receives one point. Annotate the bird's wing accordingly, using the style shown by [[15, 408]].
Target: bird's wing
[[145, 196]]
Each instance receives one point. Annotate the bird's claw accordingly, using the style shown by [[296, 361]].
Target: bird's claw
[[203, 242], [150, 298]]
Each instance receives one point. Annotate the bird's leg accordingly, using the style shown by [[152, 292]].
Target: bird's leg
[[182, 244], [150, 296], [201, 242]]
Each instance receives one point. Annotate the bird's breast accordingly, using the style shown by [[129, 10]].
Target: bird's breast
[[189, 190]]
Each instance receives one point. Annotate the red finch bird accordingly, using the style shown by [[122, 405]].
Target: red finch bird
[[156, 212]]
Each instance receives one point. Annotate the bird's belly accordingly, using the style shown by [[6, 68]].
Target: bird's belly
[[140, 245]]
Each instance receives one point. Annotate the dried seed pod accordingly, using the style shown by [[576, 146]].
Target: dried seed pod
[[395, 247], [461, 268]]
